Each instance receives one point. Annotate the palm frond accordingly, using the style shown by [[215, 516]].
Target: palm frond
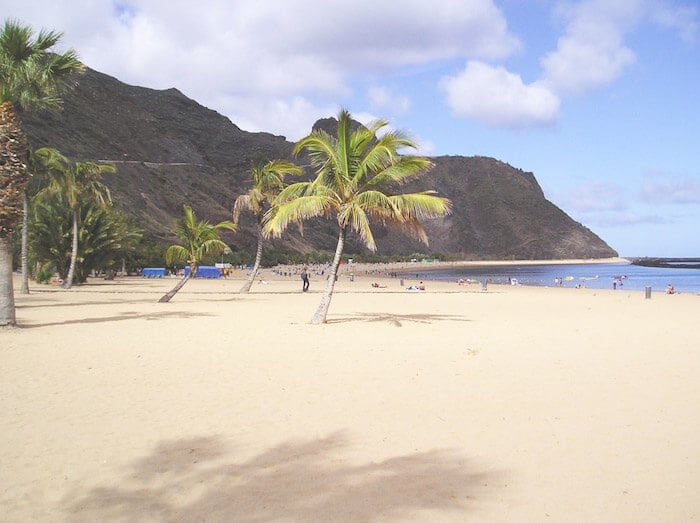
[[404, 170], [377, 204], [321, 148], [176, 254], [421, 205], [297, 210], [355, 217], [211, 246], [226, 224], [245, 202], [292, 191], [413, 228]]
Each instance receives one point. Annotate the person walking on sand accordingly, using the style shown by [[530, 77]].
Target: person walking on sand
[[305, 279]]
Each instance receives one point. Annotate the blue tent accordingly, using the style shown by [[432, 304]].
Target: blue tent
[[205, 271]]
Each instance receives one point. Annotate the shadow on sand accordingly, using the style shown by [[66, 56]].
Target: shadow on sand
[[199, 479], [396, 319], [121, 317]]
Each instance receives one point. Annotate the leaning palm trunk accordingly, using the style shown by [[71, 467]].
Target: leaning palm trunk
[[7, 300], [322, 311], [25, 266], [169, 296], [68, 283], [256, 266]]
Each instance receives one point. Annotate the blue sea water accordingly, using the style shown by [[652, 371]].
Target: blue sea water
[[592, 276]]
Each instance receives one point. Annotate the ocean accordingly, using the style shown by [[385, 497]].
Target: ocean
[[592, 276]]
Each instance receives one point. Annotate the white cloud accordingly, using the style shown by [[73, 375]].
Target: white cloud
[[499, 98], [591, 53], [382, 98], [292, 118], [659, 189], [595, 197], [683, 19], [264, 57]]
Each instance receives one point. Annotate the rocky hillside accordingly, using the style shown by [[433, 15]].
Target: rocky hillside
[[169, 151]]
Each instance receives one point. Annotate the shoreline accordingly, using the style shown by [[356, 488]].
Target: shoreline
[[386, 267]]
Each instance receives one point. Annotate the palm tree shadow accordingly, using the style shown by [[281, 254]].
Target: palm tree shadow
[[294, 481], [49, 303], [397, 319], [131, 315]]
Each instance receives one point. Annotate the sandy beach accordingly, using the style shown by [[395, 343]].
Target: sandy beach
[[451, 404]]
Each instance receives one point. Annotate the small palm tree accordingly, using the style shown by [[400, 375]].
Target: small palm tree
[[198, 239], [79, 182], [41, 163], [31, 78], [268, 182], [103, 235], [357, 173]]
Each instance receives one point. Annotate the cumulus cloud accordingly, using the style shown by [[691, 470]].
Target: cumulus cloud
[[591, 53], [265, 58], [498, 97], [292, 117]]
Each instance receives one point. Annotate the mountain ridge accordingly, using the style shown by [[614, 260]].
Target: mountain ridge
[[170, 150]]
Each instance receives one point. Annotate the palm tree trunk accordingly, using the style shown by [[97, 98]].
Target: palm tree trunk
[[13, 184], [68, 283], [25, 266], [322, 311], [169, 296], [7, 298], [256, 265]]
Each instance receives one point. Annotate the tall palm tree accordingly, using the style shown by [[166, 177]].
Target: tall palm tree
[[31, 78], [357, 173], [198, 239], [268, 182], [80, 182]]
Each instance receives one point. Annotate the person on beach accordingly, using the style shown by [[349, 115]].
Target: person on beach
[[305, 279]]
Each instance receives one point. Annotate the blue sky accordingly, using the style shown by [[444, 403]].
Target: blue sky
[[599, 99]]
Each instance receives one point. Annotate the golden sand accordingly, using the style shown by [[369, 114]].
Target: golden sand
[[452, 404]]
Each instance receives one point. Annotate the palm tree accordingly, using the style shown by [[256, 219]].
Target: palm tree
[[104, 235], [41, 162], [356, 174], [31, 78], [198, 238], [80, 182], [268, 182]]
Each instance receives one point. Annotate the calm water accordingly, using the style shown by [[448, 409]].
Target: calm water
[[592, 276]]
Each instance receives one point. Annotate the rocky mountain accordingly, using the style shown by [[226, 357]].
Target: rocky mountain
[[169, 151]]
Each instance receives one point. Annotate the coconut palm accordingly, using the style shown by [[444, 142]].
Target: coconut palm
[[268, 182], [198, 239], [79, 182], [357, 173], [31, 78]]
